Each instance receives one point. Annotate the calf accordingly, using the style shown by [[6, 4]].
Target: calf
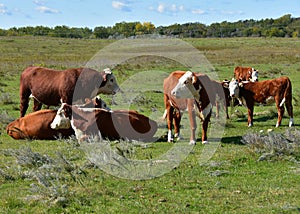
[[36, 125], [280, 89], [245, 74], [51, 87], [200, 88], [114, 125]]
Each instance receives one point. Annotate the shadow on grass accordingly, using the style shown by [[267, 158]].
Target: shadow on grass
[[232, 140]]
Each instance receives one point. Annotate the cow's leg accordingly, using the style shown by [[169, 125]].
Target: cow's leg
[[193, 124], [250, 115], [289, 108], [217, 109], [280, 115], [36, 105], [204, 128], [177, 119], [24, 100], [170, 112]]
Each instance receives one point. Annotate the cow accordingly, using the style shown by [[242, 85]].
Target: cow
[[52, 87], [36, 125], [175, 107], [112, 125], [200, 88], [280, 89], [245, 74]]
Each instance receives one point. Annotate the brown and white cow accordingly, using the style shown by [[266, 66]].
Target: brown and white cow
[[36, 125], [245, 74], [114, 125], [52, 87], [174, 107], [280, 89], [200, 88]]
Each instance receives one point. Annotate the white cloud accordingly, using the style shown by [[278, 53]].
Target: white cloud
[[173, 8], [121, 6], [44, 9], [4, 10], [39, 2], [198, 11]]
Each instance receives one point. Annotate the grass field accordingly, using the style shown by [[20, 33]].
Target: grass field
[[61, 176]]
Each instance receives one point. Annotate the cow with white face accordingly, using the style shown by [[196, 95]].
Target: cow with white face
[[280, 89], [254, 75], [199, 87]]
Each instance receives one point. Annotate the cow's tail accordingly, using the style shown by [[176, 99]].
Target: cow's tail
[[287, 92], [164, 115]]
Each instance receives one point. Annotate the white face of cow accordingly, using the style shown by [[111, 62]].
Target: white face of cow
[[60, 121], [234, 88], [254, 75], [185, 88], [111, 86]]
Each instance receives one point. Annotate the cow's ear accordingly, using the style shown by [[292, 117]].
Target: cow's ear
[[106, 71], [241, 84], [194, 79]]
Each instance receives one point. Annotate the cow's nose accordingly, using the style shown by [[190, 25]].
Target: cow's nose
[[232, 95]]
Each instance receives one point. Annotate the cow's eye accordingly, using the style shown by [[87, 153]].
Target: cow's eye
[[112, 80]]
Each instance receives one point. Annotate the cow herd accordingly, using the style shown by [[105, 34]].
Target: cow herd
[[82, 113]]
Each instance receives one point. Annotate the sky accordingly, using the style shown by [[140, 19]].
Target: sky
[[93, 13]]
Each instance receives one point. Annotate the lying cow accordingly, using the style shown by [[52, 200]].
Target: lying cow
[[52, 87], [280, 89], [36, 125], [114, 125], [174, 107], [200, 88], [245, 74]]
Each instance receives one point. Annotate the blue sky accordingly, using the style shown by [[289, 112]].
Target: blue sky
[[92, 13]]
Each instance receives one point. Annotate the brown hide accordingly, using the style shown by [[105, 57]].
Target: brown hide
[[50, 87], [114, 125], [259, 91], [242, 73], [36, 125]]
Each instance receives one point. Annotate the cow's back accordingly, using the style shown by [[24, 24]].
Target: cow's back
[[242, 73]]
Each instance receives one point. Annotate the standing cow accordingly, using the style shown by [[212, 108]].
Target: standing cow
[[280, 89], [174, 107], [245, 74], [52, 87], [200, 88]]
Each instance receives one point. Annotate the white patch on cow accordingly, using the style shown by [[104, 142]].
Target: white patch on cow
[[254, 75], [192, 142], [291, 122], [60, 121], [165, 114], [277, 125], [250, 124], [178, 136], [234, 88], [282, 102], [185, 87], [78, 133], [170, 139], [205, 142]]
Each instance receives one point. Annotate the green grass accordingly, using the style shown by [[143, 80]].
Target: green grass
[[232, 181]]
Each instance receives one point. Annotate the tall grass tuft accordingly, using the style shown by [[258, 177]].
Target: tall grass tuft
[[274, 145]]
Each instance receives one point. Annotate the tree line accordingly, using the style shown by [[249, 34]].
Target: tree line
[[285, 26]]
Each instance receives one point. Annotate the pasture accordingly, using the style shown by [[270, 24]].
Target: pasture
[[58, 177]]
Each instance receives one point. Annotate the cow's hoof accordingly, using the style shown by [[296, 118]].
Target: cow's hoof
[[205, 142], [192, 142]]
